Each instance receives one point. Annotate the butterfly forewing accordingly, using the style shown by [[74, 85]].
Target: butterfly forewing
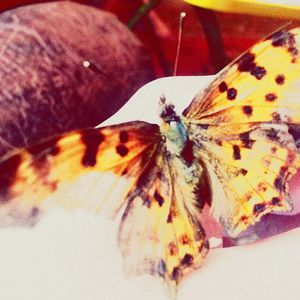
[[92, 168], [260, 86]]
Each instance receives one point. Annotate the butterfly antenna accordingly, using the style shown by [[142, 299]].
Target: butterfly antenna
[[181, 23], [162, 101]]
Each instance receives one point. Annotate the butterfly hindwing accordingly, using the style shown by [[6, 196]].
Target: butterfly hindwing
[[246, 125], [92, 168], [158, 235], [252, 173]]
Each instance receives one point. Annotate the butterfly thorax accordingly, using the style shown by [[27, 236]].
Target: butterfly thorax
[[172, 129]]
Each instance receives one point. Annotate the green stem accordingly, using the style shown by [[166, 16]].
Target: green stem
[[143, 10]]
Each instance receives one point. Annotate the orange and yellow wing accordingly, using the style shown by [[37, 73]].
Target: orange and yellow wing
[[93, 168], [104, 170], [260, 86], [246, 127], [158, 235]]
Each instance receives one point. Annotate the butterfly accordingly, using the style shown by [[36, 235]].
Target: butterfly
[[232, 151]]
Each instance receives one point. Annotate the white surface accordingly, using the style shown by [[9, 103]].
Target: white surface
[[143, 105], [75, 256]]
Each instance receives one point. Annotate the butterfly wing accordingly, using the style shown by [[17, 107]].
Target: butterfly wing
[[260, 86], [93, 168], [246, 125], [158, 235]]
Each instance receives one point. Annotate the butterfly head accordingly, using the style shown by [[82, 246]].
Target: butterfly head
[[167, 113], [172, 128]]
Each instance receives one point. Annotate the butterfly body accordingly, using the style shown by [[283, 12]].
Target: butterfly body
[[231, 152], [181, 154]]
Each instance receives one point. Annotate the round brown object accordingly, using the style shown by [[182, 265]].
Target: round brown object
[[63, 66]]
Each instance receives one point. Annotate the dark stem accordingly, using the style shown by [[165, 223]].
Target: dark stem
[[213, 36]]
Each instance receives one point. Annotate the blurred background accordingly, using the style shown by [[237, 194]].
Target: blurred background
[[211, 38]]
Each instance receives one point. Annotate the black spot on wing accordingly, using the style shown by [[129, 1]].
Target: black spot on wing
[[170, 217], [270, 97], [8, 171], [294, 131], [258, 208], [258, 72], [236, 152], [122, 150], [123, 136], [280, 79], [275, 201], [294, 52], [187, 260], [203, 126], [91, 140], [247, 142], [176, 274], [231, 93], [157, 196], [223, 87], [278, 183], [247, 110], [246, 62], [282, 38], [283, 170], [243, 172]]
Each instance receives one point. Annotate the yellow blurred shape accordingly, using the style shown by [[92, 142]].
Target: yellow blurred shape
[[271, 8]]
